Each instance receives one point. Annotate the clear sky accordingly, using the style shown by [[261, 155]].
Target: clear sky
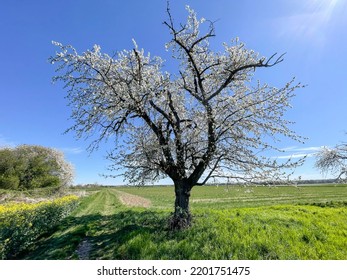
[[313, 33]]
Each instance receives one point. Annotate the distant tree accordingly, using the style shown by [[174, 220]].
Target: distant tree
[[28, 167], [210, 120], [333, 161]]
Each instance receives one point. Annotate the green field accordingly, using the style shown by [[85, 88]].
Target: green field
[[308, 222], [221, 197]]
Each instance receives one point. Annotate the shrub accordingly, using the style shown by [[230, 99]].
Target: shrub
[[30, 167], [9, 182], [22, 223]]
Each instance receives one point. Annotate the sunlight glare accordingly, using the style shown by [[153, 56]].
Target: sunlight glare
[[314, 22], [324, 7]]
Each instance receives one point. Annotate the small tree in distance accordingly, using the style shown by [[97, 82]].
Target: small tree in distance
[[210, 120], [334, 161], [31, 166]]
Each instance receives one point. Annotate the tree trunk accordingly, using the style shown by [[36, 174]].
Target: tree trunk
[[181, 218]]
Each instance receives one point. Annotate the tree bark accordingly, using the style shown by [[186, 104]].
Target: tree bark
[[181, 218]]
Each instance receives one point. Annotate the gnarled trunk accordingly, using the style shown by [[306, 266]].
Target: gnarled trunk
[[181, 218]]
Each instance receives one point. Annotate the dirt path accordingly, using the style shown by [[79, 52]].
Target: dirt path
[[84, 249], [103, 203], [133, 200]]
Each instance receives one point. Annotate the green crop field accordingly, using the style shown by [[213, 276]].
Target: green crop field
[[220, 197], [307, 222]]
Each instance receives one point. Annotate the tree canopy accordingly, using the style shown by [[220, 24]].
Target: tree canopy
[[334, 161]]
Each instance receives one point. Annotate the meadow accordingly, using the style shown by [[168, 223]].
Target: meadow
[[299, 223]]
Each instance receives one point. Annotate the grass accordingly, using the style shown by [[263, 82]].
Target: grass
[[31, 195], [228, 224]]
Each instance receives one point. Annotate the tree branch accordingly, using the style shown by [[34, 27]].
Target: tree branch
[[244, 67]]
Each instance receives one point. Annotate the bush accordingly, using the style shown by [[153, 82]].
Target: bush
[[22, 223], [29, 167], [9, 182]]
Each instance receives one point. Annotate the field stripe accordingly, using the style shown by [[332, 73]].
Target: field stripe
[[133, 200], [104, 202]]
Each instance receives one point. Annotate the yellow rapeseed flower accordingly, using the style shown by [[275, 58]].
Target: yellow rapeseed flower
[[19, 207]]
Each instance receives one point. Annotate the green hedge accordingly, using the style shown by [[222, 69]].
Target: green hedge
[[22, 223]]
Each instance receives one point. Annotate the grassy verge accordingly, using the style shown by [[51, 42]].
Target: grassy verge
[[102, 228], [32, 195]]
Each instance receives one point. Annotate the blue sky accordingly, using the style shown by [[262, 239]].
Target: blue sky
[[313, 33]]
